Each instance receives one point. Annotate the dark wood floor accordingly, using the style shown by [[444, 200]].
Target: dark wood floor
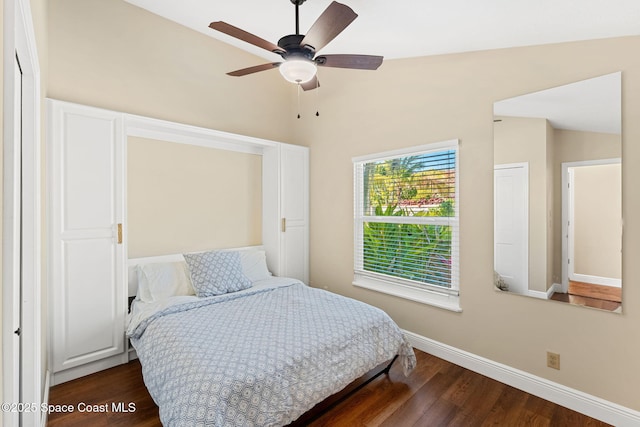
[[437, 393], [586, 294]]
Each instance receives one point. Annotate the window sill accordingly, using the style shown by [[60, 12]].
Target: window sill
[[423, 296]]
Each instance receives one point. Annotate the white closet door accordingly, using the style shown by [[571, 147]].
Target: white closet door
[[88, 255], [295, 212], [511, 226]]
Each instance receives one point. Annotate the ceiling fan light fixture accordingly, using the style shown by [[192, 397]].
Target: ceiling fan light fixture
[[298, 51], [298, 70]]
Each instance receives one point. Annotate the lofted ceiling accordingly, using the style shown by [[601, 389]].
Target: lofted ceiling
[[410, 28], [413, 28], [592, 105]]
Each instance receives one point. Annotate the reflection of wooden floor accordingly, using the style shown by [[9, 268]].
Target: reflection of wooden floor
[[588, 295], [588, 290]]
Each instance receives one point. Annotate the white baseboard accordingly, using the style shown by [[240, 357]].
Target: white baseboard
[[596, 280], [537, 294], [88, 368], [545, 295], [576, 400]]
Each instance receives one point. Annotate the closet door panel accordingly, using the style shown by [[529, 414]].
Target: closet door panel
[[294, 185], [294, 237], [88, 254], [88, 172], [285, 216], [294, 253], [90, 297]]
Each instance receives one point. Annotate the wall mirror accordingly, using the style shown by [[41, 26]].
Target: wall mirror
[[557, 194]]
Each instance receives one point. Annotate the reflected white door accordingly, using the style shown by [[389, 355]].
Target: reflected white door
[[511, 231]]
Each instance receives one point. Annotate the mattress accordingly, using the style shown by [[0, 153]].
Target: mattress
[[258, 357]]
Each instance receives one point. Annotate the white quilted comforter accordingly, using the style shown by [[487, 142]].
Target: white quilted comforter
[[260, 357]]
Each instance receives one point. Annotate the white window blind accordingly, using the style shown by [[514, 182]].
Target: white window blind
[[406, 217]]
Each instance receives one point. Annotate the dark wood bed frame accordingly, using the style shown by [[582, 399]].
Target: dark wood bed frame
[[334, 399]]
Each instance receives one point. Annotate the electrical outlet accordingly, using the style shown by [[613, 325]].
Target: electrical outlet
[[553, 360]]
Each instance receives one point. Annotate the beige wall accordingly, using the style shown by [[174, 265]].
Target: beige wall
[[524, 140], [415, 101], [110, 54], [183, 198]]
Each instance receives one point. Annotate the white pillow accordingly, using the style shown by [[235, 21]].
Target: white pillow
[[161, 280], [254, 264]]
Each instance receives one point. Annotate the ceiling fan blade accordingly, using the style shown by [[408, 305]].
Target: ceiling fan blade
[[311, 84], [333, 20], [254, 69], [360, 62], [236, 32]]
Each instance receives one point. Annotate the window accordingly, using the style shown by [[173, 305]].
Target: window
[[406, 223]]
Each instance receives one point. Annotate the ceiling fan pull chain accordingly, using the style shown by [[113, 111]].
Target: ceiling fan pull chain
[[317, 98], [298, 96]]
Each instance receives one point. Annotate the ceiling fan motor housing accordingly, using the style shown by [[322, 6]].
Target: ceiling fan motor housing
[[293, 49]]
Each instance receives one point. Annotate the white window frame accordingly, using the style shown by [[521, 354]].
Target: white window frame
[[447, 298]]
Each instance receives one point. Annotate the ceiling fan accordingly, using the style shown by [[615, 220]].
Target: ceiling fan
[[298, 51]]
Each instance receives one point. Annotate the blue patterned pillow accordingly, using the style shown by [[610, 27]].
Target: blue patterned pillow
[[216, 273]]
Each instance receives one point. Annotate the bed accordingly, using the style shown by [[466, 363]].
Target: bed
[[251, 349]]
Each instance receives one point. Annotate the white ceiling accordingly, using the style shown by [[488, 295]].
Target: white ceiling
[[409, 28], [592, 105]]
